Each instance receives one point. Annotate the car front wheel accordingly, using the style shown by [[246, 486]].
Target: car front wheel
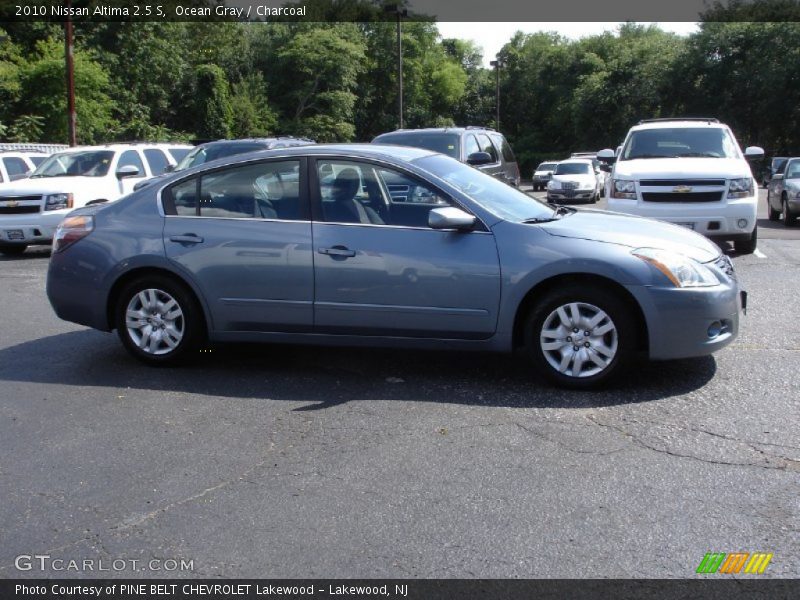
[[788, 217], [772, 214], [158, 321], [580, 336], [747, 246]]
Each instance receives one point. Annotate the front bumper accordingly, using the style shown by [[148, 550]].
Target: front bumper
[[712, 219], [566, 195], [679, 319], [30, 229]]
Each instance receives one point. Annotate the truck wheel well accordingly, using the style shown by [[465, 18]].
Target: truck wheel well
[[541, 288]]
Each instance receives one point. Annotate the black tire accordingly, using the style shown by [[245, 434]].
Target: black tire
[[788, 217], [772, 215], [13, 250], [191, 323], [589, 296], [747, 246]]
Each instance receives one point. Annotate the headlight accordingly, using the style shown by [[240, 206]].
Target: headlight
[[681, 270], [553, 185], [740, 188], [57, 201], [623, 188]]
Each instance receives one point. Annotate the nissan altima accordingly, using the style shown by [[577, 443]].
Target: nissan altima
[[388, 246]]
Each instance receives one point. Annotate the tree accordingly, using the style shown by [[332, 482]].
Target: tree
[[213, 109]]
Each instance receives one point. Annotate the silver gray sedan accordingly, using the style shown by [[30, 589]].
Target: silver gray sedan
[[783, 192], [387, 246]]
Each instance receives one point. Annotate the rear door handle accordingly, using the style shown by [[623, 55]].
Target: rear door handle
[[187, 238], [338, 251]]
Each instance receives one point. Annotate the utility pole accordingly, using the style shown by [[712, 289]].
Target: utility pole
[[399, 13], [497, 64], [71, 118]]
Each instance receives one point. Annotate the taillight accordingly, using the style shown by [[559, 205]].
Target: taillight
[[70, 230]]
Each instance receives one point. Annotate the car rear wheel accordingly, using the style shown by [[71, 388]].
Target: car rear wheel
[[14, 250], [747, 246], [159, 321], [788, 217], [580, 336]]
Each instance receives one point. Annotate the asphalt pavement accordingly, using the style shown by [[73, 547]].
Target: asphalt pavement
[[300, 462]]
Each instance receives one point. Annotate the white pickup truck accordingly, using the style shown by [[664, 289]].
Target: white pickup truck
[[32, 208], [690, 172]]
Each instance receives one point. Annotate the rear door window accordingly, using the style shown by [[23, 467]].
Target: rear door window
[[157, 160], [16, 167]]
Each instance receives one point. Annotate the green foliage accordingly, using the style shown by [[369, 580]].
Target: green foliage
[[252, 115], [26, 128], [213, 109]]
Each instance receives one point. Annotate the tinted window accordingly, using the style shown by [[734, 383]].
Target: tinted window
[[505, 148], [131, 158], [16, 167], [487, 146], [257, 191], [546, 166], [93, 163], [179, 153], [37, 160], [209, 152], [793, 170], [573, 169], [667, 142], [184, 198], [157, 160], [445, 143], [470, 146]]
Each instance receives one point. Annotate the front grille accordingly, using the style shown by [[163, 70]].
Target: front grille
[[20, 198], [676, 182], [569, 185], [676, 197], [19, 210], [724, 264]]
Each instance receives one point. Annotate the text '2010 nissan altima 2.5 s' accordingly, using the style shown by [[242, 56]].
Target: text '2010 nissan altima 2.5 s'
[[387, 246]]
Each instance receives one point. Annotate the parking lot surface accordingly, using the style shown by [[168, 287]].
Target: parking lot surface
[[286, 462]]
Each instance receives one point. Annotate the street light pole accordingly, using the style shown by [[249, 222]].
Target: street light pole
[[399, 13], [497, 64], [71, 118]]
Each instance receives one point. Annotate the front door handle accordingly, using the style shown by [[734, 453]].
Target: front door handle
[[187, 238], [337, 251]]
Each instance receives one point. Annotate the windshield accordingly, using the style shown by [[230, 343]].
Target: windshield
[[444, 143], [793, 170], [92, 163], [500, 198], [204, 154], [546, 166], [572, 169], [680, 142]]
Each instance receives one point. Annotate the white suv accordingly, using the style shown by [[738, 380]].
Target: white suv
[[690, 172], [32, 208], [18, 165]]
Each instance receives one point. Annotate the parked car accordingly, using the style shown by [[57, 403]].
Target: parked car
[[264, 247], [783, 193], [542, 174], [18, 165], [480, 147], [209, 151], [690, 172], [775, 166], [30, 209], [596, 164], [574, 179]]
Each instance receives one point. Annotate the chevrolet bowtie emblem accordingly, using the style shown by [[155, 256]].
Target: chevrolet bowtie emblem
[[12, 204], [682, 189]]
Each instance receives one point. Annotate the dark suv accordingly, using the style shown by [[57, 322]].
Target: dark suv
[[480, 147], [222, 148]]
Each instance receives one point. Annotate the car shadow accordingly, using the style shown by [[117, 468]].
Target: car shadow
[[329, 376], [29, 254]]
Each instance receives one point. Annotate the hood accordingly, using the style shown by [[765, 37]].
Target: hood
[[542, 172], [635, 232], [678, 168], [582, 178], [45, 185]]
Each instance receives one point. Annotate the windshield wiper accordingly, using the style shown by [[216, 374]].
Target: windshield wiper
[[697, 154], [539, 220], [648, 156]]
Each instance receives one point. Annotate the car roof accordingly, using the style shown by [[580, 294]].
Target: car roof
[[577, 161], [265, 140], [124, 146], [366, 151], [435, 130], [679, 123]]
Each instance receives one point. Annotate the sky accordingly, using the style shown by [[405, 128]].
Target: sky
[[492, 36]]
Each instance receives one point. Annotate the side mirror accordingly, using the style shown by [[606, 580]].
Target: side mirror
[[607, 156], [479, 158], [754, 153], [777, 177], [605, 167], [127, 171], [450, 218]]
